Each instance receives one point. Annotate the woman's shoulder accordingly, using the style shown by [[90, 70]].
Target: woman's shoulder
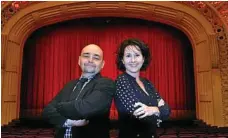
[[121, 77], [147, 81], [122, 80]]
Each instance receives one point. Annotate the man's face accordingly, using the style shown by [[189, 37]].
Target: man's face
[[91, 60]]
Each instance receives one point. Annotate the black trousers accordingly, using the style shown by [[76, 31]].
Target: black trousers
[[140, 131]]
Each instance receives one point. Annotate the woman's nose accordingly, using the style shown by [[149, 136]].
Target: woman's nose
[[133, 59]]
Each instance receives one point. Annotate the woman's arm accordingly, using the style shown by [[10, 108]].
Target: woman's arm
[[125, 98], [163, 107]]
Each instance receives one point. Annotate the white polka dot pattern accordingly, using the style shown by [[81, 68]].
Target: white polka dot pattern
[[125, 94], [128, 93]]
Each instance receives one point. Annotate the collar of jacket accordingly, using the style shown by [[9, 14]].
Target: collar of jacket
[[98, 75]]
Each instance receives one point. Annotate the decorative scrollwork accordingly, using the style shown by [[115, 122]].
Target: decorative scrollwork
[[11, 9], [219, 25]]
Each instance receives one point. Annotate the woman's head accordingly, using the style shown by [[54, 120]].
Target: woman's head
[[133, 55]]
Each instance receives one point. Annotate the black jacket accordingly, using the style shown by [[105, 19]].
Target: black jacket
[[93, 104]]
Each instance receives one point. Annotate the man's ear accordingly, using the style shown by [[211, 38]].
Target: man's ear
[[79, 60], [103, 63]]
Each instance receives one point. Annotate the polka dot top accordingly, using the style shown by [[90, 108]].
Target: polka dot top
[[128, 92]]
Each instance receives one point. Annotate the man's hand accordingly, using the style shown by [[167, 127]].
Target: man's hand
[[144, 110], [77, 123], [80, 123]]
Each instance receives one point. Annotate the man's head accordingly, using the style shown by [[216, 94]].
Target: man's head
[[91, 60]]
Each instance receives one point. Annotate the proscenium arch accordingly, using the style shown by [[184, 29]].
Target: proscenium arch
[[190, 21]]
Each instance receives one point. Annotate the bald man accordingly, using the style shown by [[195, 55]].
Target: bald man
[[81, 108]]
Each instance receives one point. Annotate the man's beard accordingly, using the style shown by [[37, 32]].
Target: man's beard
[[89, 69]]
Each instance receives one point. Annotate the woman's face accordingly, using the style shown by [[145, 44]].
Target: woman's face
[[133, 59]]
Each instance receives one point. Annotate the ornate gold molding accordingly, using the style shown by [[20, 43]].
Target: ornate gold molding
[[217, 14], [9, 9]]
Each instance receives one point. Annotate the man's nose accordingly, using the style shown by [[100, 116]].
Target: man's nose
[[90, 59]]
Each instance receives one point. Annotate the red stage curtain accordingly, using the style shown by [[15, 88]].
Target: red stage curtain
[[51, 59]]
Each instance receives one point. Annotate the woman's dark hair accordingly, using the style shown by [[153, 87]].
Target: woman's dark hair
[[138, 44]]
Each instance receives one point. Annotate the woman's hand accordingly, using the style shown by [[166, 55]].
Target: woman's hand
[[161, 103], [144, 110]]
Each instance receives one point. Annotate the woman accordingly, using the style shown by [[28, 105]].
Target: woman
[[139, 105]]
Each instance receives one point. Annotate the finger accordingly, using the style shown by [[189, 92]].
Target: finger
[[140, 113], [161, 102], [138, 110], [138, 104], [79, 121], [143, 116]]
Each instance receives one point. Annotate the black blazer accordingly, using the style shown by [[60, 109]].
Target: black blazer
[[93, 103]]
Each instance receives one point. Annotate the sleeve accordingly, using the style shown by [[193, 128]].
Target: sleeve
[[95, 104], [125, 97], [66, 123], [164, 107], [50, 112]]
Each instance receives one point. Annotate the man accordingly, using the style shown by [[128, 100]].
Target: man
[[81, 109]]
